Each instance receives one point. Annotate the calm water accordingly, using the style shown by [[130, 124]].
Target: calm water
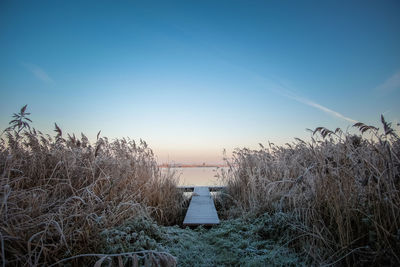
[[197, 176]]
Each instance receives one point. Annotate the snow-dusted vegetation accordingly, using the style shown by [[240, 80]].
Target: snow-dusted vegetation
[[342, 190], [333, 200]]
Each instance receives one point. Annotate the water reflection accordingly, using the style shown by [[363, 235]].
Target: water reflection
[[197, 176]]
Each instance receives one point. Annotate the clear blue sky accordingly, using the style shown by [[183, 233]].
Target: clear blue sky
[[194, 77]]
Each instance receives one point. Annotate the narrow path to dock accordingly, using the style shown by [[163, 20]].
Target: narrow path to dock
[[201, 209]]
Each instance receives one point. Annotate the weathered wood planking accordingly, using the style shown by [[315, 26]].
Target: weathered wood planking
[[201, 209]]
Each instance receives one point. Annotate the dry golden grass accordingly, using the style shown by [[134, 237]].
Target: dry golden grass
[[342, 188], [58, 193]]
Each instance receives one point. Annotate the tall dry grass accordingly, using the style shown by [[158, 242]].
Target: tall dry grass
[[58, 193], [343, 190]]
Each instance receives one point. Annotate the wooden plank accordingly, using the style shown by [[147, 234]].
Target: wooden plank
[[201, 209]]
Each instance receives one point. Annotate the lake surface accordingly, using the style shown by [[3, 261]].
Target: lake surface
[[197, 176]]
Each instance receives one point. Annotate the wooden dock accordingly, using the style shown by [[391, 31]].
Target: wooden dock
[[201, 209]]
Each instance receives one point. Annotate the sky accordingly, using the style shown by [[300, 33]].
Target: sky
[[195, 77]]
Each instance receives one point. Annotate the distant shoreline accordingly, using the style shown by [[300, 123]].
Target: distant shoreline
[[191, 165]]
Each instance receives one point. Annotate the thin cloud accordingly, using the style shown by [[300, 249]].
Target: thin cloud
[[392, 83], [273, 84], [281, 89], [38, 72], [324, 109]]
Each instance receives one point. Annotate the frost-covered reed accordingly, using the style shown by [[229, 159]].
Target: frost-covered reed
[[58, 193], [343, 189]]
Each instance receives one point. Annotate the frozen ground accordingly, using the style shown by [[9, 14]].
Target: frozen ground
[[244, 242]]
